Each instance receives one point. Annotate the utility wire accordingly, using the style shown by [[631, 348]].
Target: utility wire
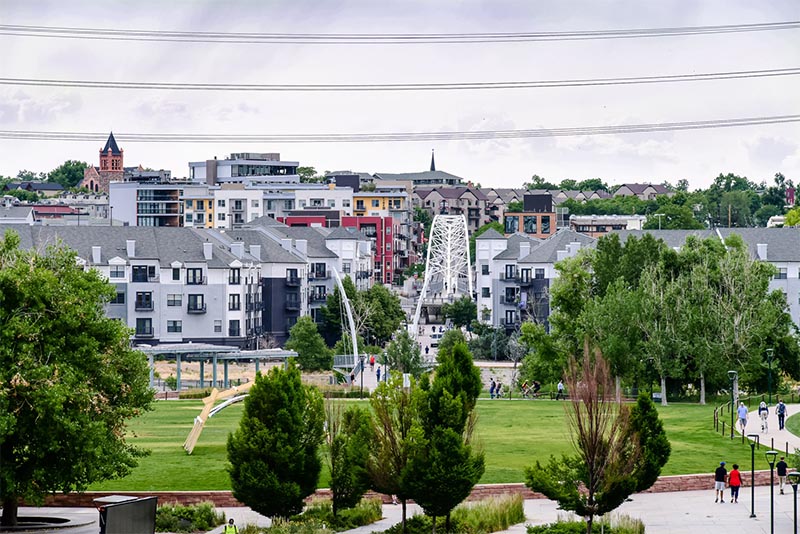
[[379, 38], [30, 135], [357, 87]]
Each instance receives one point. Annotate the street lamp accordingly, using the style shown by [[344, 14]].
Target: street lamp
[[769, 374], [732, 375], [361, 393], [794, 478], [752, 438], [771, 455]]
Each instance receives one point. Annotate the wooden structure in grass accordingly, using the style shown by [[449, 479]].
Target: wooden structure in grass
[[230, 396]]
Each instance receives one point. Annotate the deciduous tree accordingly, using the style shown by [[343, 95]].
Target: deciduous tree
[[312, 353]]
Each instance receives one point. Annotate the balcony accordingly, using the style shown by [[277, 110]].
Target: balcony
[[196, 308], [319, 297], [292, 304], [144, 333], [196, 281], [234, 306], [319, 275], [138, 278], [143, 305], [292, 281], [234, 332], [524, 280], [510, 299], [234, 280], [508, 277]]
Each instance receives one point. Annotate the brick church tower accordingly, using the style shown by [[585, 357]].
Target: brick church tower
[[96, 179]]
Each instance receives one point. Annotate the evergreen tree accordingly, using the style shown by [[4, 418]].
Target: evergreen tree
[[312, 353], [654, 449], [274, 457], [350, 443]]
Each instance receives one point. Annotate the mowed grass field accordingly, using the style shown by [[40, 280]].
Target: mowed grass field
[[513, 434]]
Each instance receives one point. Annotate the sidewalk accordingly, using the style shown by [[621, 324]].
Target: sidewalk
[[780, 437]]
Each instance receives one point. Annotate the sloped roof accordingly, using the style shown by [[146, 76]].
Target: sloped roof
[[547, 251], [417, 176], [265, 221], [347, 233], [111, 143], [271, 249], [491, 233], [315, 239], [512, 246], [15, 212], [673, 238]]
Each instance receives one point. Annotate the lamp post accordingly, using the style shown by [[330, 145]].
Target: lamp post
[[794, 478], [771, 455], [361, 372], [732, 375], [752, 438], [769, 374]]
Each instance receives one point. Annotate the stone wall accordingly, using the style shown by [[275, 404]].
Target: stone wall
[[481, 491]]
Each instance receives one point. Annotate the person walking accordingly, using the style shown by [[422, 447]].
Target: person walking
[[719, 483], [498, 391], [560, 387], [427, 350], [742, 413], [735, 482], [230, 528], [492, 387], [782, 467], [763, 413], [372, 362], [378, 374], [780, 409]]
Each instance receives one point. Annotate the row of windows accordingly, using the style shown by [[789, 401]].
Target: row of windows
[[144, 327], [529, 224], [147, 273]]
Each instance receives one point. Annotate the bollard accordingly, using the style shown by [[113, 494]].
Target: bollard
[[772, 443], [723, 428]]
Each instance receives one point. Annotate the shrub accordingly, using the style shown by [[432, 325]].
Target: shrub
[[615, 525], [310, 526], [365, 512], [177, 518], [491, 515], [195, 393]]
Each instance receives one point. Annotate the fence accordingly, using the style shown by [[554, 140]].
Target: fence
[[722, 420]]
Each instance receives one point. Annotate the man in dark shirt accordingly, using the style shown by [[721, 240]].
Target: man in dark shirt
[[719, 482], [782, 468]]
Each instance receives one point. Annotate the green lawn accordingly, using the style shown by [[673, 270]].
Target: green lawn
[[514, 434]]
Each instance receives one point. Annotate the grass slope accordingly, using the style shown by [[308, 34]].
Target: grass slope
[[513, 434]]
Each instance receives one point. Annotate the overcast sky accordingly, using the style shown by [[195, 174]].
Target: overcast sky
[[755, 151]]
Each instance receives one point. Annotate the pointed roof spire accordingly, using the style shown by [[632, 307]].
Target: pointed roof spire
[[111, 144], [433, 163]]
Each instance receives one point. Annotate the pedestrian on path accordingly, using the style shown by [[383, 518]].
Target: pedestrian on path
[[782, 468], [498, 391], [230, 528], [763, 413], [735, 482], [780, 409], [352, 378], [719, 483], [492, 387], [560, 394], [378, 374], [742, 413]]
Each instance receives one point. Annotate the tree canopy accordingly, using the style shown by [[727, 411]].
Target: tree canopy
[[69, 379], [69, 174], [312, 353]]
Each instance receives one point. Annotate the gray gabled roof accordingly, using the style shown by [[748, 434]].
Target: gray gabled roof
[[15, 212], [315, 239], [271, 249], [414, 176], [547, 251], [265, 221], [491, 233], [111, 143], [512, 246]]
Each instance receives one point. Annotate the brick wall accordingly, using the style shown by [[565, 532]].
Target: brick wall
[[481, 491]]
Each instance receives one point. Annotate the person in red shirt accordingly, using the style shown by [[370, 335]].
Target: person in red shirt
[[735, 482]]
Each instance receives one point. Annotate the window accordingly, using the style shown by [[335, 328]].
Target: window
[[538, 273], [237, 205], [235, 277], [221, 203], [317, 202], [376, 203], [188, 217], [119, 298], [201, 205], [781, 274], [144, 327], [545, 225], [233, 328], [346, 203], [139, 273], [485, 268], [221, 216], [175, 300], [510, 317], [360, 205], [189, 204], [288, 204], [529, 224], [200, 218], [194, 276], [511, 225], [234, 302], [217, 326], [331, 203], [485, 292], [511, 271], [144, 300], [346, 267], [176, 273], [511, 295], [197, 303], [117, 271], [174, 327], [254, 203]]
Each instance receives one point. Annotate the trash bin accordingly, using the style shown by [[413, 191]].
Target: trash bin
[[124, 514]]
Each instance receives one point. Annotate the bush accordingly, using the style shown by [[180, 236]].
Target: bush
[[365, 512], [177, 518], [196, 393], [310, 526], [339, 393], [490, 515], [615, 525]]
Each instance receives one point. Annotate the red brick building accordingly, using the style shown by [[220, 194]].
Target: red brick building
[[96, 179]]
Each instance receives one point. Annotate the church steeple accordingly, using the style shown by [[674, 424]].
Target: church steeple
[[111, 155], [433, 163]]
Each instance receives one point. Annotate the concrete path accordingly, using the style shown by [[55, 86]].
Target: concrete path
[[780, 438]]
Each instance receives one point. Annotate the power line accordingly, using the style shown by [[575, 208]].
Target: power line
[[379, 38], [29, 135], [536, 84]]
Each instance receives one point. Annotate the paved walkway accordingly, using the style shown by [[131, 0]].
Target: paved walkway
[[779, 437]]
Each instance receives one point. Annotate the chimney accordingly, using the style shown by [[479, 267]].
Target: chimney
[[762, 251], [302, 245], [130, 245], [524, 249], [561, 254], [96, 255], [237, 249], [255, 251], [286, 243], [573, 248], [208, 250]]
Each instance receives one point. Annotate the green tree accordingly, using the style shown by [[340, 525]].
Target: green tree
[[592, 184], [793, 217], [461, 312], [30, 176], [672, 217], [350, 439], [537, 182], [274, 454], [333, 312], [309, 175], [544, 362], [68, 174], [403, 354], [515, 206], [69, 378], [312, 353], [24, 195], [599, 477], [647, 431], [385, 316]]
